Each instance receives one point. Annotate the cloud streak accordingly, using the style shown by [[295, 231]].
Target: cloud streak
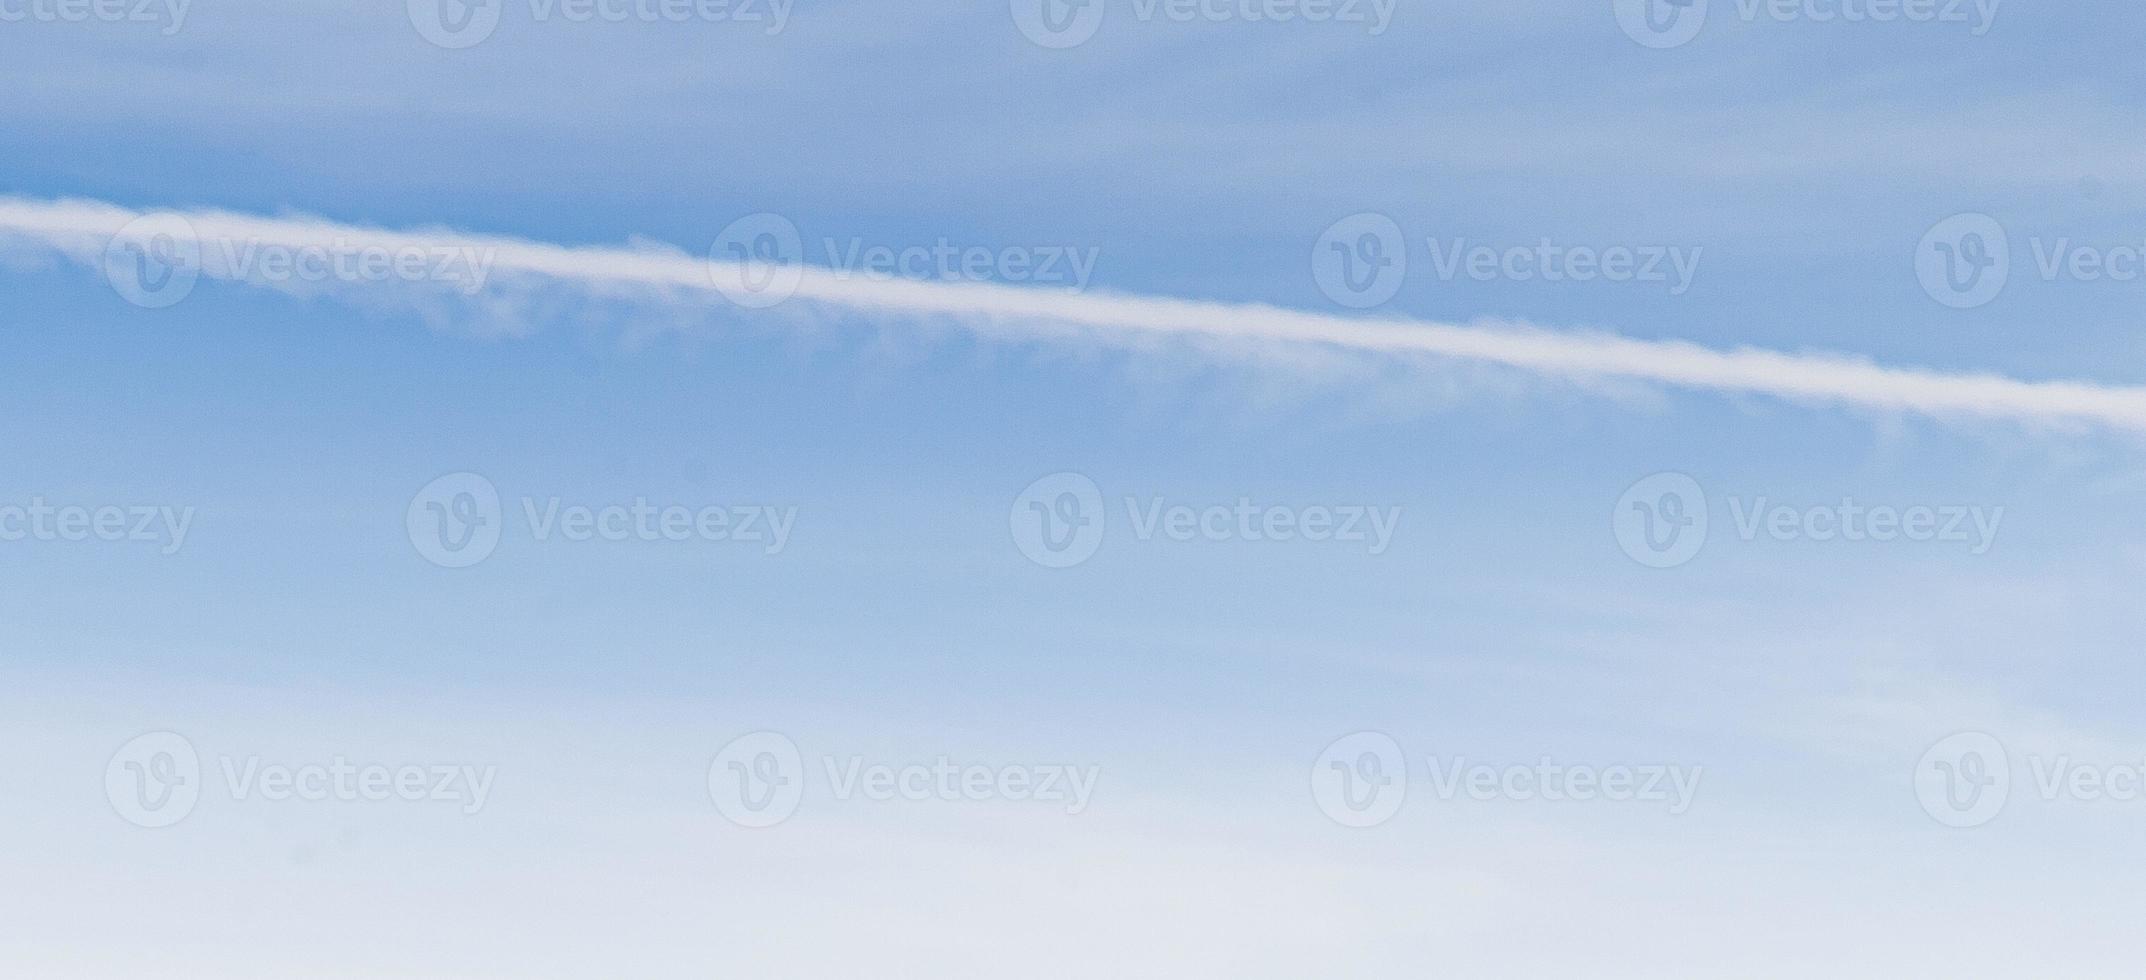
[[84, 230]]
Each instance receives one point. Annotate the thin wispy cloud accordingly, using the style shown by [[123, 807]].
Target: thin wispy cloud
[[230, 247]]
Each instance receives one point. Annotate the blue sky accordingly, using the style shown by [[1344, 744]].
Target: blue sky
[[1812, 683]]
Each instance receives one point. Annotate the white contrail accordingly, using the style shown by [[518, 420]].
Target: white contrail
[[83, 229]]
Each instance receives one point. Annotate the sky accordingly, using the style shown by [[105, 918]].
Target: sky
[[1220, 489]]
